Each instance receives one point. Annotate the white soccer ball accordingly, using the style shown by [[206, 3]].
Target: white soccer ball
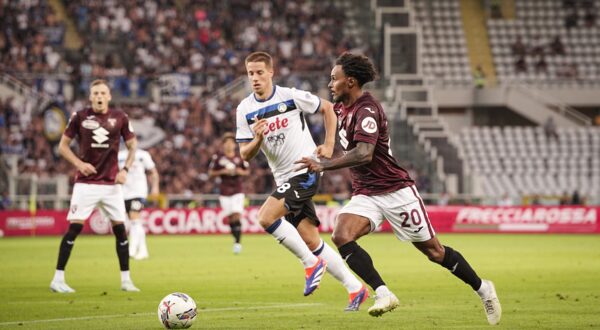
[[177, 311]]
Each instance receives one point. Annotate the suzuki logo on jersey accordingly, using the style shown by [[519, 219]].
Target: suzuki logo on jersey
[[100, 136], [343, 139], [277, 124], [369, 125]]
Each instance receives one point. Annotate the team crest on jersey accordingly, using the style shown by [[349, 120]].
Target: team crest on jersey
[[90, 124], [112, 122], [73, 209], [281, 107]]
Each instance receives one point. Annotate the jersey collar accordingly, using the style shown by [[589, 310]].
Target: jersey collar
[[270, 97]]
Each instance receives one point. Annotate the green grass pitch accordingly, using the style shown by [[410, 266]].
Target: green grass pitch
[[543, 281]]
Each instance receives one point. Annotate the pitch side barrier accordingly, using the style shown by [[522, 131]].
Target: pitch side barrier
[[445, 219]]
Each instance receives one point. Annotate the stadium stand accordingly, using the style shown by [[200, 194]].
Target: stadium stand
[[518, 161], [131, 44], [444, 46], [31, 38], [550, 52], [206, 39]]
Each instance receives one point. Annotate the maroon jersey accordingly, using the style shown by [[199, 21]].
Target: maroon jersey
[[365, 121], [99, 137], [230, 184]]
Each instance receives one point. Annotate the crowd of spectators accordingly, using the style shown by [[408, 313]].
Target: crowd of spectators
[[576, 9], [206, 39], [537, 51], [531, 56], [132, 42], [30, 38], [193, 129]]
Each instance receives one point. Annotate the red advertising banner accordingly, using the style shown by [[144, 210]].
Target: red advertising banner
[[480, 219]]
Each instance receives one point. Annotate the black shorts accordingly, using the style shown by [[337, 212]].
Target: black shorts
[[298, 192], [134, 204]]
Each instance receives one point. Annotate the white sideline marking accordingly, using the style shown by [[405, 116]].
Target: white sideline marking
[[146, 314]]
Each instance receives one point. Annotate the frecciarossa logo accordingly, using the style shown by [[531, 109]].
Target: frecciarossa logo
[[275, 125]]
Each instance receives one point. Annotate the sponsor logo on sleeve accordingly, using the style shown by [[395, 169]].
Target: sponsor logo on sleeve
[[369, 125]]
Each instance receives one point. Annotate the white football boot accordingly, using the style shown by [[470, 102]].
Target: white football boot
[[491, 304], [60, 287], [237, 248], [384, 304], [128, 286]]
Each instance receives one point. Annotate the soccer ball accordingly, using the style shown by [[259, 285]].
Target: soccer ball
[[177, 311]]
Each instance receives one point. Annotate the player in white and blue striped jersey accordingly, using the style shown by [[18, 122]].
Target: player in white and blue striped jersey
[[272, 119]]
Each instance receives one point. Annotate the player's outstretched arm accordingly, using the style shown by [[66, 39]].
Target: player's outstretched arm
[[361, 154], [249, 150], [330, 121], [65, 151]]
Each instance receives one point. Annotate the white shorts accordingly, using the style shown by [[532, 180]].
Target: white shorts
[[107, 198], [232, 204], [404, 209]]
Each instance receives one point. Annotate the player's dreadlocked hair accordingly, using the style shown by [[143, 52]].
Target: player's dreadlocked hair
[[358, 67]]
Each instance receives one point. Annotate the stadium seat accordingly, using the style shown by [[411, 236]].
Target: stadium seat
[[521, 160]]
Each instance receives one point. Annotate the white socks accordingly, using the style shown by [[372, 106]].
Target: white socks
[[289, 237], [382, 291], [483, 289], [125, 276], [337, 268], [142, 247], [137, 239], [133, 237], [59, 276]]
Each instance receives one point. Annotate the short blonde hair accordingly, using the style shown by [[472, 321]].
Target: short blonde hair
[[99, 82]]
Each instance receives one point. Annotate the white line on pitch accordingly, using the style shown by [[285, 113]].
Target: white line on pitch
[[82, 318]]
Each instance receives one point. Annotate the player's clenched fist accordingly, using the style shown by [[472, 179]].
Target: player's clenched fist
[[325, 151], [121, 177], [260, 128]]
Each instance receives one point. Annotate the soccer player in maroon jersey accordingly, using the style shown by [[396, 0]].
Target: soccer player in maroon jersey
[[381, 189], [231, 168], [97, 182]]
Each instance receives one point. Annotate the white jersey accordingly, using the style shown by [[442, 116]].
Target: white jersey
[[287, 138], [136, 185]]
